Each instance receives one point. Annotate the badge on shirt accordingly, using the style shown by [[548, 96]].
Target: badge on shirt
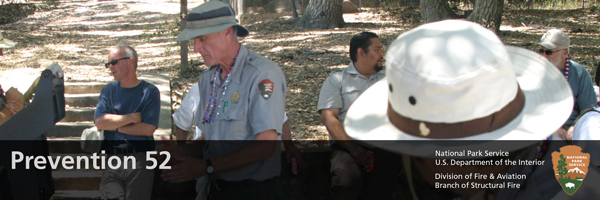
[[235, 97], [266, 88]]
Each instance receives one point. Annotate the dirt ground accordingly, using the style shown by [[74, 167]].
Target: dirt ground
[[79, 35]]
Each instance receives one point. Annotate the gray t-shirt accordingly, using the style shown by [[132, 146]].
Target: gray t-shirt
[[253, 103]]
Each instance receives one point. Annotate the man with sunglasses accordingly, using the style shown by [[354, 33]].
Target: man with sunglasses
[[554, 46], [128, 112]]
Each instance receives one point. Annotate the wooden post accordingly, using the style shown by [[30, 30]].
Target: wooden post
[[183, 46]]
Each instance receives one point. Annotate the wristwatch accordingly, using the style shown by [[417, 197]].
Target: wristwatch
[[209, 167]]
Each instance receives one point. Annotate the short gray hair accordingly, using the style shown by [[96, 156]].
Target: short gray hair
[[127, 51]]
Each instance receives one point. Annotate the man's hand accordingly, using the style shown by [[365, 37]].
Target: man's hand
[[291, 149], [183, 167], [566, 135], [173, 150], [135, 117], [360, 155], [14, 106], [14, 94], [115, 121], [187, 168]]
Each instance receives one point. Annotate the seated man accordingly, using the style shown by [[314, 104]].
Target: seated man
[[352, 162], [554, 46]]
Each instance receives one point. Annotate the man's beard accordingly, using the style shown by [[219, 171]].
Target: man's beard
[[378, 67], [556, 63]]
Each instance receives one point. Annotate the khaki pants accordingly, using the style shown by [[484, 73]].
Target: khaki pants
[[127, 184]]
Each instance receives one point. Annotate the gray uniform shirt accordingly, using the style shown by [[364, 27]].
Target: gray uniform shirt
[[253, 103], [343, 87], [583, 91]]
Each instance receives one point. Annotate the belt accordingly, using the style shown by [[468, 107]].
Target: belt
[[122, 151], [226, 185]]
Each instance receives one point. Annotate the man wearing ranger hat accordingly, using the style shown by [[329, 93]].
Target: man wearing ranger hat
[[554, 46], [242, 98]]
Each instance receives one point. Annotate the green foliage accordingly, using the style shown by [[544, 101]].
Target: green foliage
[[169, 28], [380, 3], [554, 4], [51, 4], [390, 4]]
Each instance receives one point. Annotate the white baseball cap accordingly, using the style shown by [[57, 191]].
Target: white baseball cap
[[555, 38], [454, 80]]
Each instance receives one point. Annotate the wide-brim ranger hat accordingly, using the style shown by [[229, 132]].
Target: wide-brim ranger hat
[[456, 81], [6, 43], [210, 17]]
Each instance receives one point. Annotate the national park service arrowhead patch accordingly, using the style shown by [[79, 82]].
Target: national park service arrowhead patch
[[570, 167], [266, 88]]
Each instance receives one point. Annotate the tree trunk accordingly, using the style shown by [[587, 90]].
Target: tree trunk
[[322, 14], [409, 2], [183, 46], [238, 7], [436, 10], [294, 10], [488, 13]]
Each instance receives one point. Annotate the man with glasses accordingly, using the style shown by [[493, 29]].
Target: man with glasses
[[128, 112], [554, 46]]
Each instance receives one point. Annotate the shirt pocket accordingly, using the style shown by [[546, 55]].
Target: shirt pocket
[[349, 95], [233, 124]]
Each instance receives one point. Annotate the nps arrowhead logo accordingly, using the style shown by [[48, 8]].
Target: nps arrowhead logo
[[266, 88], [570, 167]]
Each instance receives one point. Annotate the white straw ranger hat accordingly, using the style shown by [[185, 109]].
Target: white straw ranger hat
[[210, 17], [6, 43], [454, 80]]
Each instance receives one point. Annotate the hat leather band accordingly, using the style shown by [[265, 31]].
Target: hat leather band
[[460, 129], [211, 22]]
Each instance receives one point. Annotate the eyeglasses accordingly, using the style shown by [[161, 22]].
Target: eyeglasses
[[548, 52], [114, 62]]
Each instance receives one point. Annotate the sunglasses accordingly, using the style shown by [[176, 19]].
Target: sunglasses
[[547, 51], [114, 62]]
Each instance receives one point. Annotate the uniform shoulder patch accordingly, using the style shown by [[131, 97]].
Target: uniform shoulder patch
[[266, 88]]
